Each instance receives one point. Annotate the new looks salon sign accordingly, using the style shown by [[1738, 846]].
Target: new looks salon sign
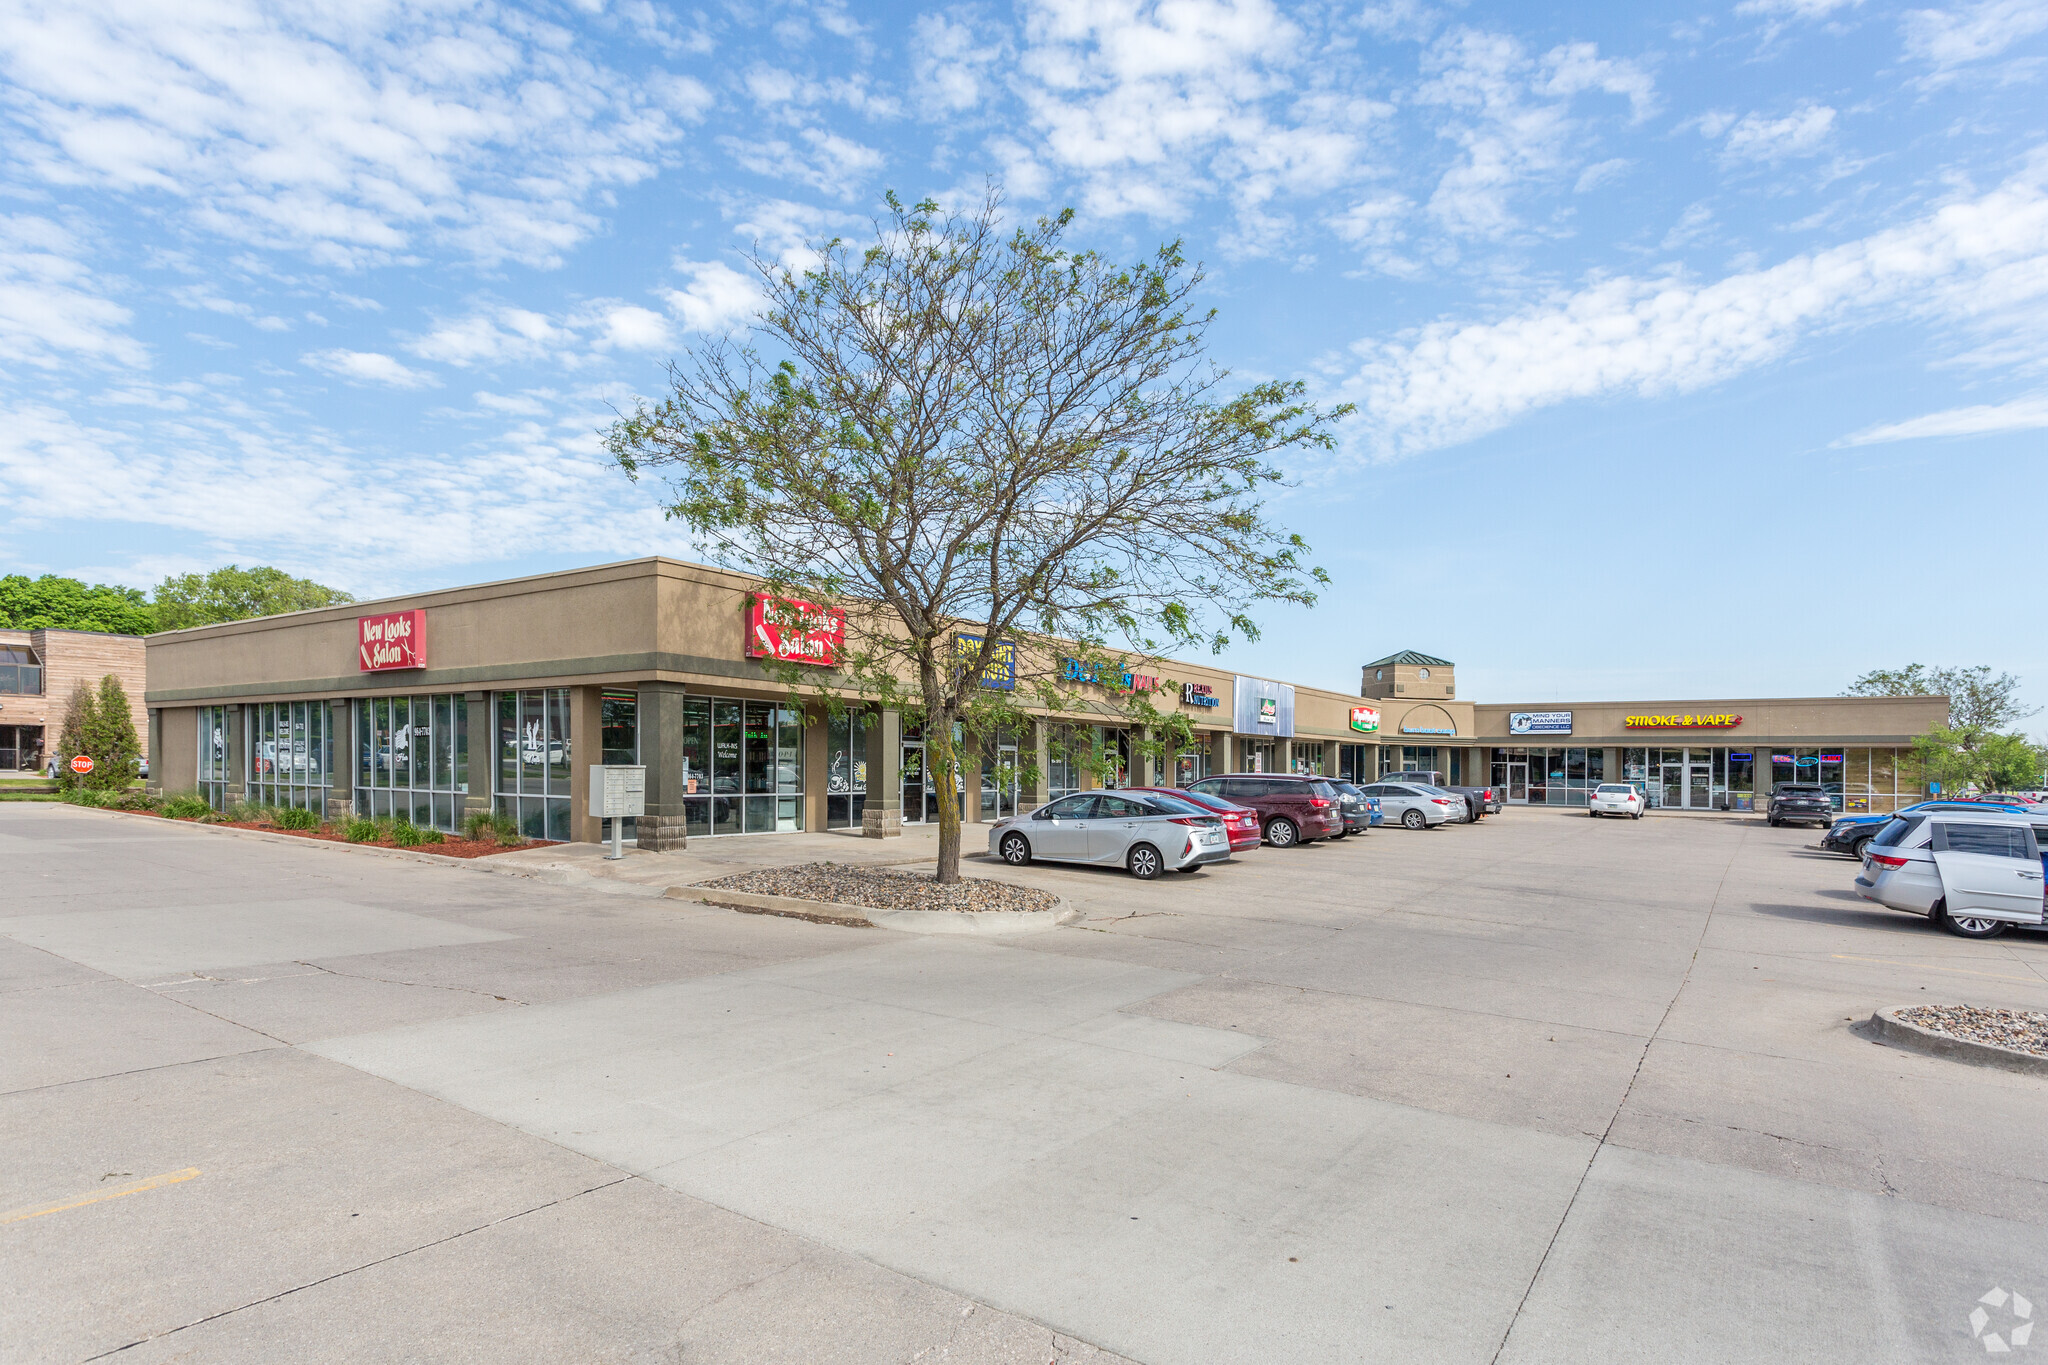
[[397, 639], [794, 632]]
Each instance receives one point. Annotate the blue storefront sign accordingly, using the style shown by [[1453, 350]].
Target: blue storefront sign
[[1000, 673], [1539, 722]]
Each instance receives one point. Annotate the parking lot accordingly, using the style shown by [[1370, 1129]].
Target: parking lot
[[1541, 1089]]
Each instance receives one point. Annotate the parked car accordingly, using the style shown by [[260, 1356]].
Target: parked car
[[1800, 801], [1241, 823], [1361, 812], [1292, 809], [1850, 834], [1615, 798], [1415, 805], [1976, 873], [1145, 833], [1479, 801]]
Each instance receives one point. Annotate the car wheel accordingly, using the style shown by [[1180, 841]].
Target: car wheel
[[1145, 863], [1015, 849], [1772, 821], [1594, 813], [1282, 833], [1972, 926], [1856, 848], [1414, 819], [1637, 816]]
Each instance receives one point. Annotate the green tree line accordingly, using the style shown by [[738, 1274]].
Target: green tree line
[[1981, 746], [181, 601]]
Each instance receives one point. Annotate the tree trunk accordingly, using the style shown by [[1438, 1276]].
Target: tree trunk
[[941, 768]]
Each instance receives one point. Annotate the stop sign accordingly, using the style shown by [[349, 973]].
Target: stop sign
[[81, 764]]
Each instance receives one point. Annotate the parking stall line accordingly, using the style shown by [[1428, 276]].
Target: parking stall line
[[99, 1196]]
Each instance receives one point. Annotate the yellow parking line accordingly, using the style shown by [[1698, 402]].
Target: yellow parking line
[[99, 1196], [1930, 967]]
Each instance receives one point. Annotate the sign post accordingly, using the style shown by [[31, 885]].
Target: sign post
[[618, 790]]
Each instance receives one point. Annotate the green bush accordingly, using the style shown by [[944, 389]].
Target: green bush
[[186, 806], [408, 835], [433, 836], [295, 818], [479, 824], [360, 831], [86, 796], [135, 800]]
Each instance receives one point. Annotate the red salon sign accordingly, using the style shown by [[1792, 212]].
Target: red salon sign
[[396, 639], [794, 632]]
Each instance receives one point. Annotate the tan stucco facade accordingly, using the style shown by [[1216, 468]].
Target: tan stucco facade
[[671, 634]]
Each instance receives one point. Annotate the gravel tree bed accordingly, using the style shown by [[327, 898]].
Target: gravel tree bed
[[875, 888], [2021, 1030]]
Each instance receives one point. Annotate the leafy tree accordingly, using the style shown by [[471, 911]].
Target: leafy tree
[[81, 714], [978, 441], [99, 725], [1976, 700], [54, 603], [111, 740], [2008, 763], [236, 594]]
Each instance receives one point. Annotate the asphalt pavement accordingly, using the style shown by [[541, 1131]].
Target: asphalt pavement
[[1543, 1089]]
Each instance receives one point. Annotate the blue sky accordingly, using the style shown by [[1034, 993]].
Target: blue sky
[[1699, 352]]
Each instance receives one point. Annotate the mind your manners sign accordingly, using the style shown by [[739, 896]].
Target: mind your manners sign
[[397, 639], [794, 632]]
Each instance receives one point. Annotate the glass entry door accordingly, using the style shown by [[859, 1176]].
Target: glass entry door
[[1518, 782], [998, 782], [914, 785], [1699, 790], [1674, 786]]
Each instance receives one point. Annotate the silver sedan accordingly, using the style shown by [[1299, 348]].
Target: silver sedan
[[1148, 834]]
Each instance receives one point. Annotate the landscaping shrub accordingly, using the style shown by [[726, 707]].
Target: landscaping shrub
[[357, 830], [479, 824], [295, 818], [185, 806], [407, 835], [135, 800]]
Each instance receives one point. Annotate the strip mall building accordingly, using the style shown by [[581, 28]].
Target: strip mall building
[[500, 696]]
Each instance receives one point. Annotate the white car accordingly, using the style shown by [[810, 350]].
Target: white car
[[1974, 874], [1615, 798]]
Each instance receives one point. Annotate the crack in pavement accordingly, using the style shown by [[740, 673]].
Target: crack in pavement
[[341, 1274], [422, 985]]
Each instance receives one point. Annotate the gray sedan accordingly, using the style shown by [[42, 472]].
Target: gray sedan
[[1147, 834]]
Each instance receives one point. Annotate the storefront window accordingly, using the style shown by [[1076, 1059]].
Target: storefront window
[[742, 766], [213, 755], [1192, 764], [846, 768], [618, 738], [1063, 775], [290, 754], [412, 758], [534, 753]]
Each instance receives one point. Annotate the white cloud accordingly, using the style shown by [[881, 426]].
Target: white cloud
[[1598, 174], [1149, 107], [1974, 262], [51, 311], [1803, 132], [493, 336], [369, 367], [1510, 115], [950, 64], [717, 297], [353, 135], [1797, 9], [2022, 414], [825, 161], [529, 489], [1971, 32], [625, 327]]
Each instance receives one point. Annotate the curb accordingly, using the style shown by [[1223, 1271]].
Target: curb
[[751, 902], [1886, 1025], [970, 922]]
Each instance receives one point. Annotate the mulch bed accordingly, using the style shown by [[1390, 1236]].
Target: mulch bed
[[451, 845], [2021, 1030], [874, 888]]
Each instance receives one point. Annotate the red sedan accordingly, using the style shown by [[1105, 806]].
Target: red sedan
[[1241, 823]]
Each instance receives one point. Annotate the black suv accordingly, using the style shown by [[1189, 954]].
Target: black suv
[[1792, 801]]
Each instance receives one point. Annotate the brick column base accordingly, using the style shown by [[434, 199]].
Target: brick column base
[[662, 833], [877, 823]]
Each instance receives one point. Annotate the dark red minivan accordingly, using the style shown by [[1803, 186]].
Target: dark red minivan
[[1292, 809]]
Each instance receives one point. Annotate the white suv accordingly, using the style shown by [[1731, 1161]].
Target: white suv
[[1975, 874]]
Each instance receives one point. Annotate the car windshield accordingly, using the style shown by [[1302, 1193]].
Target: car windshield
[[1802, 791], [1895, 831], [1615, 789], [1428, 790], [1324, 790]]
